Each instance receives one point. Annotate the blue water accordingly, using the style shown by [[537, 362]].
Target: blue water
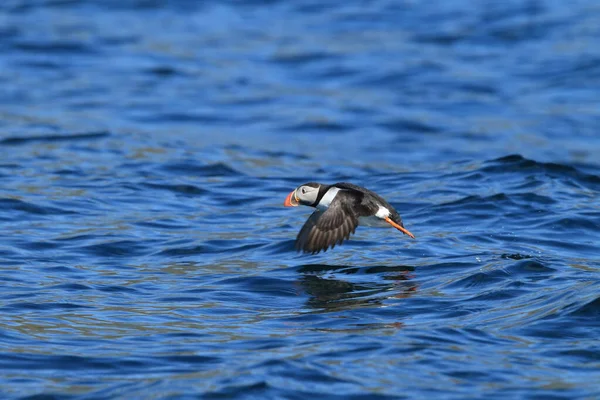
[[147, 147]]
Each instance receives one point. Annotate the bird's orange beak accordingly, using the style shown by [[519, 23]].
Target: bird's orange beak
[[400, 228], [291, 200]]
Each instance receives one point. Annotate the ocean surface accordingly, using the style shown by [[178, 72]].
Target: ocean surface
[[146, 148]]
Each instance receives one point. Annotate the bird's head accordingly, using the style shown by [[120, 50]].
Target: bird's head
[[306, 195]]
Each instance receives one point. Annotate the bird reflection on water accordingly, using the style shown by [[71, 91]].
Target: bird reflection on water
[[329, 292]]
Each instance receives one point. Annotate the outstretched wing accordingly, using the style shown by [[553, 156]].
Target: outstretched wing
[[325, 228]]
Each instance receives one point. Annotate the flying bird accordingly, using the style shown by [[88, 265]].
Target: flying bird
[[340, 208]]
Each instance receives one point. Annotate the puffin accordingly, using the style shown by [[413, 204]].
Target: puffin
[[340, 208]]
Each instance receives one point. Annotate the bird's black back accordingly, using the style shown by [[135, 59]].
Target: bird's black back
[[368, 201]]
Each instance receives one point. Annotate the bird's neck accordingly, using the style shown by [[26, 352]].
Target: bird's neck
[[322, 190]]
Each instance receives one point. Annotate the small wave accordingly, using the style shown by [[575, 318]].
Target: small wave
[[590, 309], [115, 289], [185, 189], [474, 202], [515, 162], [485, 279], [117, 248], [21, 140], [70, 287], [43, 306], [20, 205], [530, 269], [57, 47], [574, 224], [314, 126], [409, 125], [182, 117], [164, 71], [268, 154], [191, 167], [210, 247], [69, 363], [299, 59]]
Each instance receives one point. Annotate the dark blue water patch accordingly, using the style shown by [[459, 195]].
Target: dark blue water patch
[[26, 306], [23, 140], [183, 189], [8, 253], [568, 245], [191, 360], [192, 168], [591, 309], [45, 396], [208, 248], [481, 207], [530, 199], [69, 172], [75, 287], [314, 373], [30, 208], [265, 285], [300, 59], [183, 251], [47, 65], [55, 47], [245, 391], [163, 224], [579, 356], [279, 247], [75, 238], [70, 363], [555, 329], [530, 269], [118, 248], [200, 118], [37, 245], [261, 388], [410, 125], [116, 289], [470, 200], [266, 154], [516, 163], [62, 269], [333, 71], [235, 200], [590, 224], [500, 294], [164, 71], [10, 166], [178, 299], [324, 125]]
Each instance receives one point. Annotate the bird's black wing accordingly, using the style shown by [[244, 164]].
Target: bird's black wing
[[329, 227]]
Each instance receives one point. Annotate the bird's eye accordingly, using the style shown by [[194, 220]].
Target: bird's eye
[[303, 190]]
